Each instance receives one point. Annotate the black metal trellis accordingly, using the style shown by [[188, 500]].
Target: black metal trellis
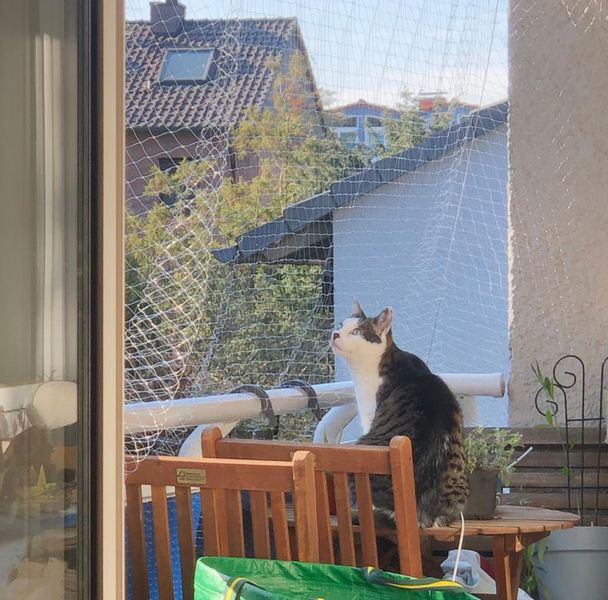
[[591, 425]]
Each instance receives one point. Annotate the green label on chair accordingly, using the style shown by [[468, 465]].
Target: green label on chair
[[192, 476]]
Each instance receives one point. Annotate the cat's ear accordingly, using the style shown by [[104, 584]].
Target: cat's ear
[[357, 310], [383, 322]]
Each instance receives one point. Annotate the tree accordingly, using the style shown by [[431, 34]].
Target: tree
[[443, 114], [406, 131], [197, 326], [441, 120]]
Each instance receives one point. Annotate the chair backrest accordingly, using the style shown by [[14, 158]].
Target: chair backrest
[[220, 482], [333, 466]]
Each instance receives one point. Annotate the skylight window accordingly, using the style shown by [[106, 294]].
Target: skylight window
[[186, 65]]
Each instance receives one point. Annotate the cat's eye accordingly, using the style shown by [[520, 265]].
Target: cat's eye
[[356, 331]]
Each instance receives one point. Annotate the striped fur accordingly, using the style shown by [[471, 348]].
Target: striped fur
[[412, 401]]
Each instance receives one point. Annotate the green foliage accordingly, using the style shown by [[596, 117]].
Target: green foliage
[[489, 450], [406, 131], [549, 386], [197, 326], [441, 120], [443, 114], [533, 555]]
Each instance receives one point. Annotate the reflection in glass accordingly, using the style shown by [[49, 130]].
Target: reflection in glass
[[38, 308]]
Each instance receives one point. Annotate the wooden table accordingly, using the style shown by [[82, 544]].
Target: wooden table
[[512, 529]]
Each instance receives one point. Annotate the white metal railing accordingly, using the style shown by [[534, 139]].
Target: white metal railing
[[141, 417]]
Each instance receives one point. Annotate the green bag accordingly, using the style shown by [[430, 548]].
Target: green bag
[[219, 578]]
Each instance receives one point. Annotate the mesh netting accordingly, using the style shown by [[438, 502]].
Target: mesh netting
[[285, 157]]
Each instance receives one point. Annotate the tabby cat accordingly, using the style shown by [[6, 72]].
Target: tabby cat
[[397, 394]]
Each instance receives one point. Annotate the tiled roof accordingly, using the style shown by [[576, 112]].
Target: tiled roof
[[240, 78], [310, 216]]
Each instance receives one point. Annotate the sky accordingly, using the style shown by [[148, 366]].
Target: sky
[[373, 49]]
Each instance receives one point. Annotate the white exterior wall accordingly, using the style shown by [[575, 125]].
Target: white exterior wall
[[433, 245]]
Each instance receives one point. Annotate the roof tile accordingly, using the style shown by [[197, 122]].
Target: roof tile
[[240, 79]]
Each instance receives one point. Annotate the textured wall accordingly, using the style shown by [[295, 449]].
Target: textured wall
[[433, 244], [558, 191]]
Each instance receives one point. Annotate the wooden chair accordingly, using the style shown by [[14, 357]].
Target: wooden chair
[[333, 466], [220, 482]]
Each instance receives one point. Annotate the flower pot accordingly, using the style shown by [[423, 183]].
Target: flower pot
[[574, 565], [483, 486]]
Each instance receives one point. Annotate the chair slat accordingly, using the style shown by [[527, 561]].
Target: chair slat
[[345, 522], [221, 518], [185, 534], [137, 541], [307, 533], [280, 528], [406, 517], [161, 542], [326, 541], [367, 526], [208, 515], [234, 510], [259, 521]]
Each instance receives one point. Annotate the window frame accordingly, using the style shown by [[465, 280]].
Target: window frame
[[88, 571]]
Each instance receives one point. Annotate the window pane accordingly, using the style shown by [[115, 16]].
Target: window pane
[[38, 302], [186, 65]]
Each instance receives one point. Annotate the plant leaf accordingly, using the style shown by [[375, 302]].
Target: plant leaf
[[543, 546]]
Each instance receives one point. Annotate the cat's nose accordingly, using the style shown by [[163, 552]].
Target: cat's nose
[[336, 335]]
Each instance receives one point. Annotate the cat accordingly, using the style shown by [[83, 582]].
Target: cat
[[397, 394]]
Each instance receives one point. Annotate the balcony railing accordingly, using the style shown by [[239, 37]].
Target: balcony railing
[[143, 417]]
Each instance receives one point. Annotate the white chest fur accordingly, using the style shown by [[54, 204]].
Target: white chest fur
[[367, 383]]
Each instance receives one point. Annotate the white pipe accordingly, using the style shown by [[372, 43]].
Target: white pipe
[[188, 412], [521, 457]]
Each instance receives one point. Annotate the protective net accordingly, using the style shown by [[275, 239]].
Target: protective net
[[285, 157]]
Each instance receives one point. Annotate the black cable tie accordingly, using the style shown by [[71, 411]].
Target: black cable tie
[[313, 399], [262, 394]]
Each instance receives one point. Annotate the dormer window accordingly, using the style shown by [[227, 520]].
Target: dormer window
[[186, 65]]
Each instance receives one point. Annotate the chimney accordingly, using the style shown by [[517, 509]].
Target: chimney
[[167, 17]]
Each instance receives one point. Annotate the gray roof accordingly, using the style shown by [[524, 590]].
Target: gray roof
[[241, 77], [303, 232]]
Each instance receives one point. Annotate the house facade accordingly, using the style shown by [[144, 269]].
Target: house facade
[[362, 123], [189, 83]]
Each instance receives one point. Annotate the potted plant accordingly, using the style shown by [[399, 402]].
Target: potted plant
[[489, 454]]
